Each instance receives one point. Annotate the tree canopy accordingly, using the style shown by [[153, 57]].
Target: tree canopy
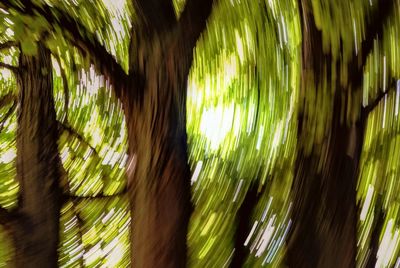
[[272, 90]]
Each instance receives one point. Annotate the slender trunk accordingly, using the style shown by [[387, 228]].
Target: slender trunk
[[325, 213], [243, 219], [38, 164], [158, 171], [378, 224]]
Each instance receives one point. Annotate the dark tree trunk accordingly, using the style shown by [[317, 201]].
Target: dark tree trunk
[[325, 214], [158, 171], [154, 102], [38, 164]]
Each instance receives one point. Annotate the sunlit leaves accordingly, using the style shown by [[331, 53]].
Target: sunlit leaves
[[379, 184], [342, 24], [8, 127], [379, 178], [93, 141], [241, 121]]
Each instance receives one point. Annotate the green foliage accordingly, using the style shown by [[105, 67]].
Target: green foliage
[[242, 124], [8, 127], [94, 155]]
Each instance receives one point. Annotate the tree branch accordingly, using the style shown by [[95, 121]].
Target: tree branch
[[65, 85], [8, 44], [154, 15], [375, 29], [78, 35], [9, 67], [71, 131], [193, 21], [75, 198]]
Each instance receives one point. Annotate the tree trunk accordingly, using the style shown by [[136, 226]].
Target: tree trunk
[[325, 216], [325, 213], [38, 164], [158, 171]]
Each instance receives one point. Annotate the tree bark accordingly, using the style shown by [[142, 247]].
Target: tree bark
[[161, 53], [158, 171], [325, 214], [38, 164]]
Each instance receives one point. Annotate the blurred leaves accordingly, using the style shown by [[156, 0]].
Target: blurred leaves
[[242, 106]]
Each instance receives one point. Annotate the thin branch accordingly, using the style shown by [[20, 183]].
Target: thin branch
[[78, 35], [371, 106], [65, 85], [8, 44], [73, 132], [76, 198], [9, 67]]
